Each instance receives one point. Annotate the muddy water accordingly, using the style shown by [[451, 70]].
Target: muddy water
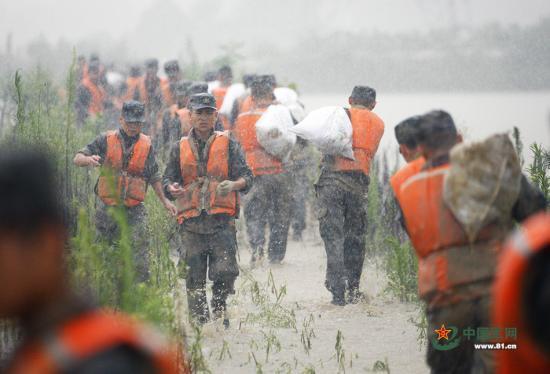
[[377, 330]]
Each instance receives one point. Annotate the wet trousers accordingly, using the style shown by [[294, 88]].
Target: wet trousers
[[268, 203], [342, 224], [213, 254]]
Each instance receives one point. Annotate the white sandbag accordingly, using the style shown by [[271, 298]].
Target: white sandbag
[[329, 129], [272, 131], [483, 183], [297, 110], [233, 93], [285, 95]]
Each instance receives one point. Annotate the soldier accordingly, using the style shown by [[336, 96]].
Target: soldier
[[167, 85], [205, 171], [90, 95], [455, 275], [62, 332], [341, 199], [406, 133], [269, 200], [244, 103], [129, 155]]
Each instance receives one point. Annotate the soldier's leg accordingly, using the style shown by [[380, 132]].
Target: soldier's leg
[[195, 250], [255, 214], [223, 268], [279, 216], [299, 198], [456, 317], [137, 220], [484, 360], [106, 227], [355, 224], [330, 211]]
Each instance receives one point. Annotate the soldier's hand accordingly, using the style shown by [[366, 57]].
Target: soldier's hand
[[94, 160], [170, 207], [175, 190], [225, 187]]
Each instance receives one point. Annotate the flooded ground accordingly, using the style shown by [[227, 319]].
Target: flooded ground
[[262, 338]]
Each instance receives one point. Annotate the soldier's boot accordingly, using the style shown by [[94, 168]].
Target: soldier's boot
[[219, 302], [338, 290], [198, 306]]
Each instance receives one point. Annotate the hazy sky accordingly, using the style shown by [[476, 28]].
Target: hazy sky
[[74, 20]]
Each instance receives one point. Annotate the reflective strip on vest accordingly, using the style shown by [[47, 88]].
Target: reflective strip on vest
[[200, 181], [259, 161], [91, 334], [368, 129], [532, 237], [125, 184]]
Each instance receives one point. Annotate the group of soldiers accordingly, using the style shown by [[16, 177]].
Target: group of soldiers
[[213, 165]]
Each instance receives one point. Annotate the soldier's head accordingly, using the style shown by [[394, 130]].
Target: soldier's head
[[406, 133], [247, 79], [132, 117], [210, 76], [181, 89], [197, 88], [437, 134], [135, 71], [363, 96], [261, 90], [225, 75], [93, 71], [202, 112], [151, 67], [172, 70], [32, 231]]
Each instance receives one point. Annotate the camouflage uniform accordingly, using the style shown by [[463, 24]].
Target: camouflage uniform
[[208, 241], [341, 210], [137, 216], [269, 203]]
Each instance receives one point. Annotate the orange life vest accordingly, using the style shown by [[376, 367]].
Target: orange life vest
[[508, 290], [183, 116], [201, 181], [407, 171], [97, 96], [219, 95], [368, 129], [129, 181], [245, 104], [166, 92], [259, 161], [445, 257], [135, 89], [90, 334]]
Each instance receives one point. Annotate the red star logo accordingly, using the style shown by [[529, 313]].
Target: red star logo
[[443, 332]]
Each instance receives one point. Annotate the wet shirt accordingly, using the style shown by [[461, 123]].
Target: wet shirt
[[205, 223], [99, 147], [352, 181]]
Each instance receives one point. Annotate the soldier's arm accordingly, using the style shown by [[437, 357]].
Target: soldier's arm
[[238, 168], [530, 200], [92, 154], [172, 173]]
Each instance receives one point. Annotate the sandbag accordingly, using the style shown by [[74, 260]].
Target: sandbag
[[233, 93], [483, 183], [329, 129], [272, 131], [285, 95]]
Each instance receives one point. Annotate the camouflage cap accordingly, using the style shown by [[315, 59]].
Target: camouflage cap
[[133, 111], [201, 101]]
